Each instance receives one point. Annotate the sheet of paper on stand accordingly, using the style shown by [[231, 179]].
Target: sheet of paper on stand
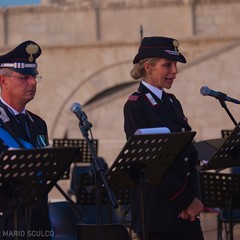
[[160, 130]]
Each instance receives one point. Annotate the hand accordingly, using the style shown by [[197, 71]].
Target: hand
[[194, 209], [184, 215]]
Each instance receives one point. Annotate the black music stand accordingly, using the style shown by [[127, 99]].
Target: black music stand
[[144, 160], [222, 191], [28, 175], [87, 194], [86, 197], [85, 155], [228, 154]]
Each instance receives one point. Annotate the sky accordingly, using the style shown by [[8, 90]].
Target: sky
[[6, 3]]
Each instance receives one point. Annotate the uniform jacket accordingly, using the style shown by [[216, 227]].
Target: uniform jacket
[[179, 185], [39, 214]]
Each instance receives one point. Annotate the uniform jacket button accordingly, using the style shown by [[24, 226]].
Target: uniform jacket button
[[183, 129], [188, 173], [186, 159]]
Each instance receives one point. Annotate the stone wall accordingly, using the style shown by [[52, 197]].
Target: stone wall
[[89, 50], [131, 2]]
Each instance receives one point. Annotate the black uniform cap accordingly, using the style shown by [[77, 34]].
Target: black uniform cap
[[159, 47], [22, 59]]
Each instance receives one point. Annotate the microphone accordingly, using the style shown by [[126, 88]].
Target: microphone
[[77, 109], [206, 91]]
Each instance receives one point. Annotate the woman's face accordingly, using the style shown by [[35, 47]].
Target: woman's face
[[161, 74]]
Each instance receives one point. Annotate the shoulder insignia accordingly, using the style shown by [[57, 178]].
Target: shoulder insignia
[[151, 99], [133, 98], [3, 115]]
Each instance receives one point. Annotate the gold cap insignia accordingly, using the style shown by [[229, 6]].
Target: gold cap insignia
[[175, 44], [31, 49]]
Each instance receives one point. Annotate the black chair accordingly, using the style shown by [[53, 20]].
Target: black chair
[[63, 220], [108, 231]]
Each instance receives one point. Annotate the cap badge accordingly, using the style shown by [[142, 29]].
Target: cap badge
[[175, 44], [31, 49]]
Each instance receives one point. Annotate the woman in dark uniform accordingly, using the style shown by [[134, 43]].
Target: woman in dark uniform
[[173, 206]]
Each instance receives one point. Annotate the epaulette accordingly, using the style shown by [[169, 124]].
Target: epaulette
[[135, 96]]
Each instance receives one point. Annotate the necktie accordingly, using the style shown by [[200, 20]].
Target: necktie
[[163, 96], [166, 99], [21, 118], [170, 104]]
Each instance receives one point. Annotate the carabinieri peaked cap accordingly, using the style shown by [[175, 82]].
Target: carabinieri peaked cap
[[22, 59], [159, 47]]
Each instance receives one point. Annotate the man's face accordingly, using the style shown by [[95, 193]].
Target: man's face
[[19, 88]]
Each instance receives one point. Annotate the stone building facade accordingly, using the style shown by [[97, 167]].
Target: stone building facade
[[88, 47]]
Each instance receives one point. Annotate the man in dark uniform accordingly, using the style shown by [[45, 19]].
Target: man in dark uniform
[[173, 206], [21, 128]]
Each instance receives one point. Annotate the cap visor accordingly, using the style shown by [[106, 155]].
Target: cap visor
[[26, 71]]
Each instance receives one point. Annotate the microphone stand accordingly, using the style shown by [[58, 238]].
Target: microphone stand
[[98, 171], [224, 105]]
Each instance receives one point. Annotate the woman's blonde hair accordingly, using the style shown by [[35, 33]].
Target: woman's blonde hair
[[138, 70]]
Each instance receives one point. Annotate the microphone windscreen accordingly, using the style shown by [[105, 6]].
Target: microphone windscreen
[[74, 107], [205, 90]]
